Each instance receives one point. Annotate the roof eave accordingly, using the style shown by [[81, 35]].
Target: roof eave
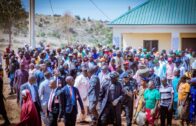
[[117, 25]]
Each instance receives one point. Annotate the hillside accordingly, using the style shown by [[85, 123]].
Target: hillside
[[60, 30]]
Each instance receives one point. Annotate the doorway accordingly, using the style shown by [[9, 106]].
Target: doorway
[[189, 43]]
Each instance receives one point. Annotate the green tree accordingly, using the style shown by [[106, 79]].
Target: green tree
[[77, 17], [11, 14]]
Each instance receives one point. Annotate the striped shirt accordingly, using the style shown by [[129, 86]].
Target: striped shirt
[[166, 95]]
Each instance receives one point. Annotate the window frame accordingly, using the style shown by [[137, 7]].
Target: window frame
[[150, 44]]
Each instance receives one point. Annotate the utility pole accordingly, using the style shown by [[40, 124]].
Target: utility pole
[[31, 23]]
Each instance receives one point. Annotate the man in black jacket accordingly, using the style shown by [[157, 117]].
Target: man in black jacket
[[93, 94], [2, 106], [129, 87], [64, 72], [109, 101]]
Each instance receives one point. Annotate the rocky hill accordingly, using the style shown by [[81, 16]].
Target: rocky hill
[[60, 30]]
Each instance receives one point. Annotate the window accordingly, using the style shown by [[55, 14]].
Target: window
[[149, 44]]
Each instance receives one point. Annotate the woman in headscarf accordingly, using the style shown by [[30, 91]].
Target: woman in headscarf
[[29, 115], [137, 118], [151, 98]]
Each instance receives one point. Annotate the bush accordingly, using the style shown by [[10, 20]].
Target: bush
[[101, 25], [46, 22], [40, 25], [2, 40], [71, 30], [49, 34], [91, 29], [57, 15], [77, 17], [43, 34], [41, 19], [86, 30], [56, 34]]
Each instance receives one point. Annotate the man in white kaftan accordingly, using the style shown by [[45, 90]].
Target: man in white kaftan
[[82, 84]]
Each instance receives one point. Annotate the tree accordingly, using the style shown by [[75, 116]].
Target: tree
[[12, 14], [77, 17], [68, 22]]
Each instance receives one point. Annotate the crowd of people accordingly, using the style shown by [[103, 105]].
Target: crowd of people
[[105, 82]]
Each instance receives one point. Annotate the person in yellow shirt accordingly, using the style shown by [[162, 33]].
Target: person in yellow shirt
[[37, 60], [183, 101]]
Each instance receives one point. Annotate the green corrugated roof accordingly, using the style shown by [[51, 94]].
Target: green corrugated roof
[[160, 12]]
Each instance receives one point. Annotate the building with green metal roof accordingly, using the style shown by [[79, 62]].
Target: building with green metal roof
[[163, 24]]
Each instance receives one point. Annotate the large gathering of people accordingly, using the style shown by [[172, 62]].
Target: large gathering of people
[[76, 82]]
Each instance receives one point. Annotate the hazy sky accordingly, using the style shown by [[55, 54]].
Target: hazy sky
[[84, 8]]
